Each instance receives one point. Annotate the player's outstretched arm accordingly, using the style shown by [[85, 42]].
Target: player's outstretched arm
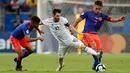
[[29, 39], [122, 18], [73, 29], [76, 22], [39, 31]]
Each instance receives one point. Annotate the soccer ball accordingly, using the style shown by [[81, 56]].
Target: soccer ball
[[100, 68]]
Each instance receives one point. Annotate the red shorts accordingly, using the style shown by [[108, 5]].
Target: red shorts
[[18, 43], [89, 37]]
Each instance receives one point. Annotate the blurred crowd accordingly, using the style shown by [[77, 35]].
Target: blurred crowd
[[18, 5]]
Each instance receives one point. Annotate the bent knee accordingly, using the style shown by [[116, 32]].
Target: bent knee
[[31, 51], [82, 46], [93, 44]]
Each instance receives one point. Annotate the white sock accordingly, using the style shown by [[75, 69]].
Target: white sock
[[91, 51]]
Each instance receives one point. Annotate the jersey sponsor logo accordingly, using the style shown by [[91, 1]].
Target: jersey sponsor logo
[[56, 28], [96, 18], [100, 18], [27, 31], [82, 14]]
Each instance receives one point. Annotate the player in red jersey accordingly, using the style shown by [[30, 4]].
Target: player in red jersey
[[20, 37], [94, 20]]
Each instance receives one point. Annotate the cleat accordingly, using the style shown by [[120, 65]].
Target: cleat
[[94, 68], [15, 59], [17, 68], [59, 68], [100, 54]]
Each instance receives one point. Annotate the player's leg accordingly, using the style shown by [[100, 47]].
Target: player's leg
[[61, 64], [61, 53], [89, 40], [91, 51], [19, 60], [99, 47], [96, 59], [76, 43], [16, 45], [95, 44], [22, 53], [28, 48], [25, 52]]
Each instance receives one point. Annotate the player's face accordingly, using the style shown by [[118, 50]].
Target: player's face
[[97, 9], [56, 17], [35, 25]]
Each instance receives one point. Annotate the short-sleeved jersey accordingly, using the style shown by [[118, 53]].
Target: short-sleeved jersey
[[58, 29], [93, 21], [21, 31]]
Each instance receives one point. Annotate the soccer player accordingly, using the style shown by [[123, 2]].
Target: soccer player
[[59, 28], [21, 37], [94, 20]]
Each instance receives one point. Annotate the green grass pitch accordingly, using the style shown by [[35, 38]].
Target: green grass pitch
[[40, 63]]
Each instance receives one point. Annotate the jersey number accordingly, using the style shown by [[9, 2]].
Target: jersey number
[[57, 28]]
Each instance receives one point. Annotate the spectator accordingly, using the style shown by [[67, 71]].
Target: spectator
[[20, 4], [80, 26], [6, 4], [15, 4], [33, 4], [25, 7]]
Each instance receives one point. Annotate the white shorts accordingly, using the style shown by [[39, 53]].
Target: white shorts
[[74, 43]]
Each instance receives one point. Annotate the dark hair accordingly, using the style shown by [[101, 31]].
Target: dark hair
[[99, 3], [30, 15], [56, 11], [35, 19]]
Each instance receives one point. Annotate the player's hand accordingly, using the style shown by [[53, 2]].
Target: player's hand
[[122, 18], [40, 32], [80, 33], [84, 34], [39, 38], [71, 32]]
